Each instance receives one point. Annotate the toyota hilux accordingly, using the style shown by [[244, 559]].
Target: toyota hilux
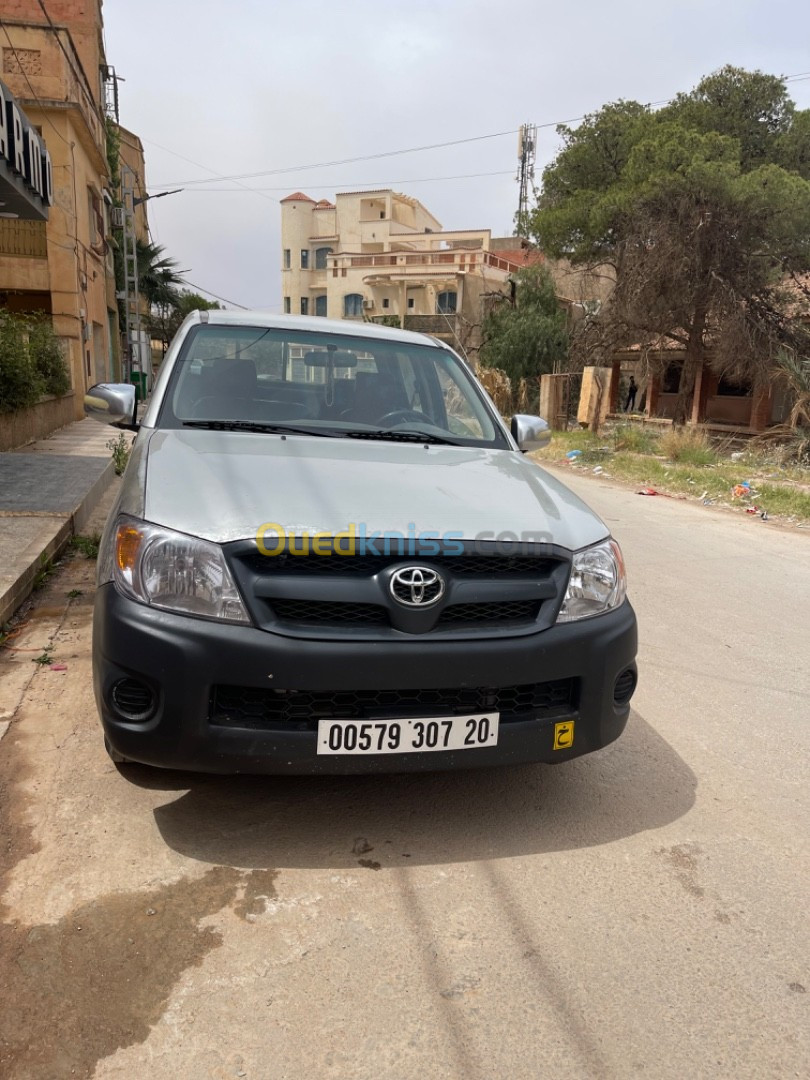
[[331, 555]]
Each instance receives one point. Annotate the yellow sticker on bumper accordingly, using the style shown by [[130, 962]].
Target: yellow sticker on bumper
[[564, 735]]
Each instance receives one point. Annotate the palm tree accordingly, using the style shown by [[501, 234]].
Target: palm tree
[[157, 275]]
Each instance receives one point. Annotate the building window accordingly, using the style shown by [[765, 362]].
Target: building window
[[410, 303], [287, 262], [304, 259], [305, 305], [352, 305], [287, 307], [386, 302], [671, 380], [321, 255], [446, 303], [382, 215], [320, 306]]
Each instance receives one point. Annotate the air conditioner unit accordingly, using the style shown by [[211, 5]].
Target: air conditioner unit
[[368, 304], [117, 217]]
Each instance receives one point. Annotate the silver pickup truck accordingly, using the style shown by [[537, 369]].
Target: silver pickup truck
[[330, 555]]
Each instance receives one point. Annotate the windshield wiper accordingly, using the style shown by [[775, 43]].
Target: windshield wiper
[[266, 429], [401, 435]]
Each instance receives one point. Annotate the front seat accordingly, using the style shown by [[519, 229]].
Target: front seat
[[230, 392]]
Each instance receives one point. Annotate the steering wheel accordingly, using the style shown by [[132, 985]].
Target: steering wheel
[[402, 416]]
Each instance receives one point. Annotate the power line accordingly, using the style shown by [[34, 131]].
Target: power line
[[371, 184], [216, 296], [392, 153], [197, 164], [351, 161]]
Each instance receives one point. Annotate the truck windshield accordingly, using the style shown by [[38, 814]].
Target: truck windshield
[[326, 383]]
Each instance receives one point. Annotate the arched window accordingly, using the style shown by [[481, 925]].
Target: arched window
[[352, 305], [320, 305], [446, 303], [320, 257]]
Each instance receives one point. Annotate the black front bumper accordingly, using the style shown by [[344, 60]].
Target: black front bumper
[[181, 659]]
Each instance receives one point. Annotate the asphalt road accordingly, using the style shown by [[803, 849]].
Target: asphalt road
[[638, 913]]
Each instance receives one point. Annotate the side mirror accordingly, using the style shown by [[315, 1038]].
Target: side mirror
[[530, 432], [112, 403]]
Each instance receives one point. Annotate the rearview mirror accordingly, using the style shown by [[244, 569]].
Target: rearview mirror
[[530, 432], [112, 403]]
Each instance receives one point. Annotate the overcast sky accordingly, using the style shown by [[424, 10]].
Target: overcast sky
[[248, 86]]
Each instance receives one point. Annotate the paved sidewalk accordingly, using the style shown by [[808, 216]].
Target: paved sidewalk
[[47, 491]]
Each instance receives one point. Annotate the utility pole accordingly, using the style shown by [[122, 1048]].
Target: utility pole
[[131, 297], [527, 153]]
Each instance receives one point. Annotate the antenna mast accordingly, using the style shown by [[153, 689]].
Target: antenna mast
[[527, 152]]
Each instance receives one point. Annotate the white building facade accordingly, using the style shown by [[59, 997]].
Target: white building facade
[[382, 256]]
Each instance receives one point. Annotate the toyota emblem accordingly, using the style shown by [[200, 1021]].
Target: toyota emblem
[[417, 586]]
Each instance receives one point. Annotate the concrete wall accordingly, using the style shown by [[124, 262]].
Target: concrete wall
[[84, 20], [28, 425], [594, 399]]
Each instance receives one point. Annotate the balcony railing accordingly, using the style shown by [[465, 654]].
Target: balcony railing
[[25, 238], [406, 262], [427, 324]]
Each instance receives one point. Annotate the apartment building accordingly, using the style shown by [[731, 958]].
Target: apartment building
[[382, 256], [55, 66]]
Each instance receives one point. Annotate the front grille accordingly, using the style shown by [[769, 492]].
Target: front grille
[[465, 566], [260, 709], [311, 612], [341, 596], [474, 614]]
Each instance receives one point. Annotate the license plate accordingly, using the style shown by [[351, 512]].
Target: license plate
[[408, 736]]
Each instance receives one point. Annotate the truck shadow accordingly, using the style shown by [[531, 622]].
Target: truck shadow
[[636, 784]]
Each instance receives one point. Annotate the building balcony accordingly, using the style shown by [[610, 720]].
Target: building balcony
[[437, 325], [59, 84], [455, 260], [26, 238]]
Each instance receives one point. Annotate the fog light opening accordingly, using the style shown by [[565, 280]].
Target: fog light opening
[[624, 687], [133, 700]]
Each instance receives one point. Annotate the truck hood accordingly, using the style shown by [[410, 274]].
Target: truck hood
[[223, 486]]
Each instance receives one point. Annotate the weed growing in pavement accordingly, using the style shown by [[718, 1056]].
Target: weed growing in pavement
[[86, 545], [121, 450], [74, 593], [43, 659], [46, 569]]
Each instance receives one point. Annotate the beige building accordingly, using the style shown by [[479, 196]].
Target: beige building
[[64, 267], [382, 256]]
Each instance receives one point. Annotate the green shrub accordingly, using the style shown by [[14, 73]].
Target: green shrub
[[635, 438], [20, 382], [31, 361], [690, 446], [48, 356]]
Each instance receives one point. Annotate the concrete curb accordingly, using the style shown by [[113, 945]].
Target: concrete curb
[[53, 532]]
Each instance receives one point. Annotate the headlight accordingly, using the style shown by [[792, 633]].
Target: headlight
[[169, 570], [597, 582]]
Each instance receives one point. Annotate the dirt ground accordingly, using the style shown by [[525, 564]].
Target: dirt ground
[[636, 913]]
